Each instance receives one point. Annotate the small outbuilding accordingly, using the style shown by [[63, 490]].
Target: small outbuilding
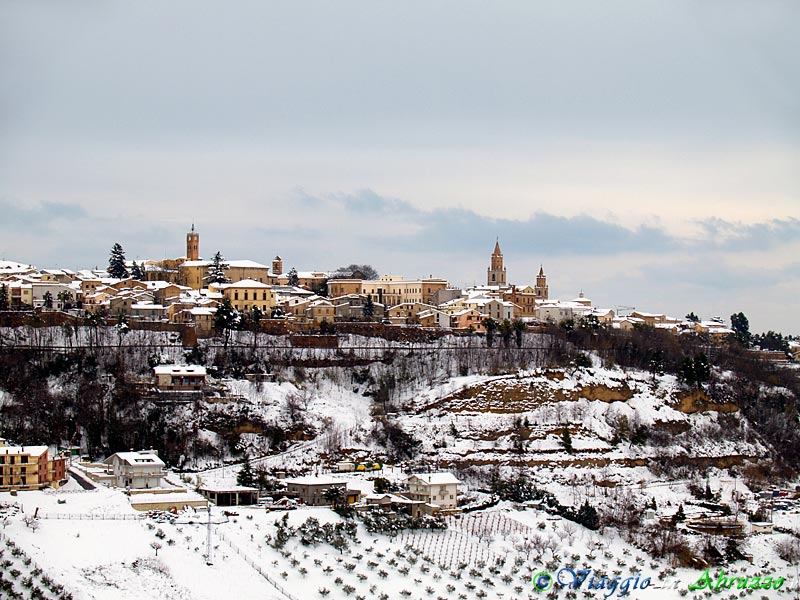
[[229, 495], [172, 502]]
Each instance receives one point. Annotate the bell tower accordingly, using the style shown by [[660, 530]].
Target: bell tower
[[496, 273], [541, 285], [192, 245], [277, 266]]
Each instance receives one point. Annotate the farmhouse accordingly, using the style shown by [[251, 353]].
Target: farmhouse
[[440, 489], [136, 470], [311, 489]]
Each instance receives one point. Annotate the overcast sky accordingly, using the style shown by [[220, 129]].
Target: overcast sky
[[645, 152]]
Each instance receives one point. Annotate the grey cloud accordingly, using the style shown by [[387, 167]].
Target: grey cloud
[[738, 236], [460, 229], [452, 229], [37, 216]]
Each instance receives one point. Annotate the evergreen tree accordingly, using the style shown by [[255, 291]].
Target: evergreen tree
[[47, 299], [741, 329], [137, 272], [247, 476], [692, 317], [506, 331], [679, 516], [590, 323], [225, 319], [702, 369], [216, 271], [588, 517], [294, 280], [519, 328], [567, 325], [381, 485], [116, 263], [686, 371], [566, 440], [490, 325], [772, 341], [255, 318], [369, 308], [3, 297], [334, 495], [320, 288], [656, 364], [623, 429], [65, 298]]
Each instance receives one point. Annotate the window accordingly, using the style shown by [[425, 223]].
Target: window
[[235, 295]]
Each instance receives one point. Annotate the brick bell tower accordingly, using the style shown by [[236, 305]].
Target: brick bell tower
[[496, 274], [192, 245]]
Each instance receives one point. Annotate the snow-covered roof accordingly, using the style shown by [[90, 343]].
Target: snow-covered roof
[[179, 370], [137, 458], [203, 310], [30, 450], [245, 264], [176, 498], [396, 498], [435, 478], [314, 480], [9, 266], [246, 283], [317, 303], [146, 306], [221, 487]]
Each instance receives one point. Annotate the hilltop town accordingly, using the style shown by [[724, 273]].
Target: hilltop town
[[189, 290]]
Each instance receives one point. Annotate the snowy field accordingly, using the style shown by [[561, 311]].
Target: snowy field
[[106, 551]]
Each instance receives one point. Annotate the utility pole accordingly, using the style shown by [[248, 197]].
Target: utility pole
[[209, 560]]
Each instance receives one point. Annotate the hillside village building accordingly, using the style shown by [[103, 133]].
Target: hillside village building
[[180, 377], [136, 470], [247, 294], [440, 489], [30, 468], [311, 490]]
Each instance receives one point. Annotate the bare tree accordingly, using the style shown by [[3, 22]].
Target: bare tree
[[569, 529], [155, 546]]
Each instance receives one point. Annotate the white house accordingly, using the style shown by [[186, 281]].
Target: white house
[[179, 377], [136, 470], [440, 489]]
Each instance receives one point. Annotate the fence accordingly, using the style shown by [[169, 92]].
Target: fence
[[255, 566], [90, 517], [466, 539]]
